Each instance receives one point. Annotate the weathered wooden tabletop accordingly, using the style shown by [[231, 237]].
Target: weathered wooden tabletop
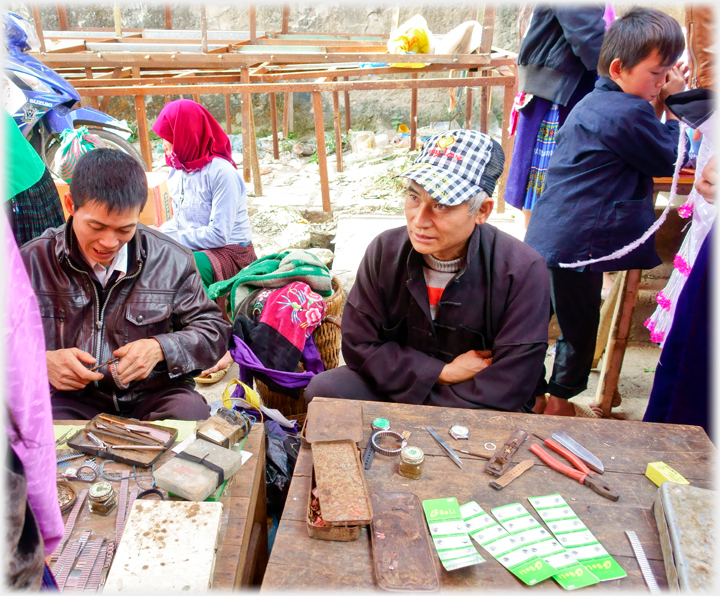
[[625, 448], [242, 543]]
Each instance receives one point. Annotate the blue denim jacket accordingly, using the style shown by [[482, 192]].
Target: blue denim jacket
[[598, 190]]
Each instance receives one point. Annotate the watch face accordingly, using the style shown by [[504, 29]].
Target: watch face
[[459, 432]]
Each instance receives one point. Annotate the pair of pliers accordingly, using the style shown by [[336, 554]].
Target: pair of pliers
[[580, 472]]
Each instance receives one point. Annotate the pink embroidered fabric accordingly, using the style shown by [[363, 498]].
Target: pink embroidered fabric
[[28, 393]]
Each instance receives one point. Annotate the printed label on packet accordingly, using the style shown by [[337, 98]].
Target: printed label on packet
[[574, 535], [524, 564], [449, 535], [570, 574]]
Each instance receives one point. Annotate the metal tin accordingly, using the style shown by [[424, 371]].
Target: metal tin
[[102, 498], [342, 491], [412, 461], [66, 496], [327, 532], [381, 424], [459, 432], [333, 421]]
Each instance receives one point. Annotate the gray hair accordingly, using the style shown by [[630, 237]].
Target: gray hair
[[476, 202]]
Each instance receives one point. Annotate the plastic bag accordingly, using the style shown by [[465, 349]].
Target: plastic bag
[[73, 144], [412, 37]]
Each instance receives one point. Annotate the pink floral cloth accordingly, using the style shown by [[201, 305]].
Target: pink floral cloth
[[294, 311], [27, 392]]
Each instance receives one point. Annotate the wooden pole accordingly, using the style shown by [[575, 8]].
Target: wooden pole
[[93, 100], [285, 18], [286, 115], [273, 122], [507, 144], [395, 18], [469, 103], [245, 112], [168, 16], [347, 109], [255, 164], [617, 342], [38, 26], [413, 116], [321, 151], [143, 132], [337, 121], [62, 17], [253, 31], [117, 19], [488, 28], [228, 115], [203, 29]]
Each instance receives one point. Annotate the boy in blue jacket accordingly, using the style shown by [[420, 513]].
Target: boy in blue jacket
[[598, 192]]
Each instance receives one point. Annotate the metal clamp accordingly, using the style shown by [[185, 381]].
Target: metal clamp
[[388, 433]]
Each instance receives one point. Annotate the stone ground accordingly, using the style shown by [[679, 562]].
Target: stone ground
[[365, 201]]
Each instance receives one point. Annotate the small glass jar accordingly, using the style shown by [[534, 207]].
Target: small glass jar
[[102, 498], [412, 460]]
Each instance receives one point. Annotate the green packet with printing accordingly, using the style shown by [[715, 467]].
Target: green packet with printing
[[570, 573], [574, 535], [520, 559], [450, 538]]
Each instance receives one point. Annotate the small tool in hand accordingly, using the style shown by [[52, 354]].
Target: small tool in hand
[[112, 360], [580, 472]]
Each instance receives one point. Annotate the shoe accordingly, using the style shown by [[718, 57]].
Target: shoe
[[212, 377]]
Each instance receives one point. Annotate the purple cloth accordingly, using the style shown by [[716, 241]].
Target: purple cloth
[[249, 363], [28, 393], [529, 120]]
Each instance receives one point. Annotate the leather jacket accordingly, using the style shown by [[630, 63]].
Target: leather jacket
[[161, 296]]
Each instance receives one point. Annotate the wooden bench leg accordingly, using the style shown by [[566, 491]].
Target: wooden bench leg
[[606, 317], [628, 282]]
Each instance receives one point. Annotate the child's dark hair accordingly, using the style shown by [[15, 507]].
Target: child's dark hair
[[111, 178], [635, 35]]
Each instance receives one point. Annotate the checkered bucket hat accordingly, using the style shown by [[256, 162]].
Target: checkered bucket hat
[[456, 165]]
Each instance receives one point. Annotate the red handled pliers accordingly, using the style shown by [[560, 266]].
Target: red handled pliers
[[580, 472]]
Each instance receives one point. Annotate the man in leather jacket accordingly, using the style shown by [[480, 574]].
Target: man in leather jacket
[[110, 288], [448, 310]]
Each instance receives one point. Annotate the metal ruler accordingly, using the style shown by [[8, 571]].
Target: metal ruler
[[643, 562], [508, 477]]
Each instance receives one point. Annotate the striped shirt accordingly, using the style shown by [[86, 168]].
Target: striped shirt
[[438, 274]]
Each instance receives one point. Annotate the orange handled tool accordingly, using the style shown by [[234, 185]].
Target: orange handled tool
[[580, 472]]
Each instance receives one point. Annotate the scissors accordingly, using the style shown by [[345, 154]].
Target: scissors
[[580, 472]]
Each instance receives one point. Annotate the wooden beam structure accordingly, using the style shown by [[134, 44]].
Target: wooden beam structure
[[191, 63]]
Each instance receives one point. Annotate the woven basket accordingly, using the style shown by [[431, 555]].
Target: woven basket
[[327, 340]]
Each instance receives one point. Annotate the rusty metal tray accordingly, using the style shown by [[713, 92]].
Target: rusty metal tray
[[81, 442], [333, 421], [342, 490], [334, 533], [403, 556]]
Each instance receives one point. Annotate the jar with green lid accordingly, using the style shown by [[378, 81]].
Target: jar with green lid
[[412, 460], [102, 498], [381, 424]]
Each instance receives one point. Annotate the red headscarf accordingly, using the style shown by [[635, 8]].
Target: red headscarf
[[195, 135]]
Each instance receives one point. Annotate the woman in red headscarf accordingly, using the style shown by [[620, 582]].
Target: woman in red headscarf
[[210, 214]]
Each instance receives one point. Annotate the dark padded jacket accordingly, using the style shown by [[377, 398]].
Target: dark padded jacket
[[498, 301], [561, 45], [161, 296]]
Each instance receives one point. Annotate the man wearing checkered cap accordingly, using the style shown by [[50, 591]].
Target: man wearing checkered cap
[[448, 310]]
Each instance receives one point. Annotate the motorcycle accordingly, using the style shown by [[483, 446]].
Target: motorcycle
[[43, 104]]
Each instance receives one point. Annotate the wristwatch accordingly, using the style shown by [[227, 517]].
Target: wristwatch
[[388, 433]]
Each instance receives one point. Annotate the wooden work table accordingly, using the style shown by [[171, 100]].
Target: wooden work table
[[242, 543], [625, 448]]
